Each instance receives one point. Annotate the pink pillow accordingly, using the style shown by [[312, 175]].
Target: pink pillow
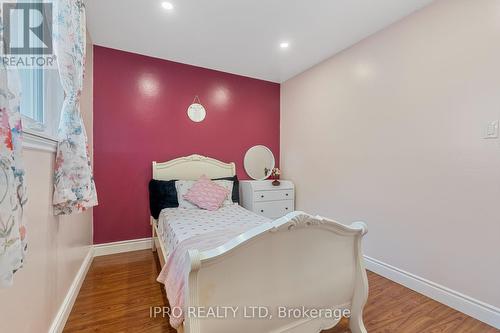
[[206, 194]]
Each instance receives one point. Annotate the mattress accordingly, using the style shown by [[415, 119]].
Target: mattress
[[176, 225]]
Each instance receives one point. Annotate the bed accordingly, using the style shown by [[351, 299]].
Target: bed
[[295, 263]]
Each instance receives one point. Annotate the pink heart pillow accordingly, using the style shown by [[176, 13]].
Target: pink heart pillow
[[206, 194]]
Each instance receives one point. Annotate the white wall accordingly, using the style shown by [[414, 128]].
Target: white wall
[[390, 132], [57, 246]]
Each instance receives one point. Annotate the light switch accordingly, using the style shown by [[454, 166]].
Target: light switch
[[492, 130]]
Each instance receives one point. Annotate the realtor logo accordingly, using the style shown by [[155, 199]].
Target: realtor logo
[[27, 28]]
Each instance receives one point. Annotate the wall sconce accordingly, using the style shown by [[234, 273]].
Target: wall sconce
[[196, 112]]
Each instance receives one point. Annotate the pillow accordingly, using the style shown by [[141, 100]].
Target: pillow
[[236, 187], [162, 194], [228, 185], [182, 187], [206, 194]]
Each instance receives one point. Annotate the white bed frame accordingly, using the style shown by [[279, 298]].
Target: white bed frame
[[298, 260]]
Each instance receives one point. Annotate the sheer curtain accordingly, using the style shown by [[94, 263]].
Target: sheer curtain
[[74, 188], [13, 196]]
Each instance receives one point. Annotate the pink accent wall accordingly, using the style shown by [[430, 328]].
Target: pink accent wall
[[140, 116]]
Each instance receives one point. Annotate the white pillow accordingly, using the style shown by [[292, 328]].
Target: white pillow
[[227, 184], [183, 186]]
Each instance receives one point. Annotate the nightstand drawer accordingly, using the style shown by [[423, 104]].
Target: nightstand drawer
[[274, 209], [273, 195]]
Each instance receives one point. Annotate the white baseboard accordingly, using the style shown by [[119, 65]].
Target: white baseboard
[[486, 313], [67, 304], [124, 246]]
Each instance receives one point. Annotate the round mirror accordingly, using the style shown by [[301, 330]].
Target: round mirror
[[258, 163]]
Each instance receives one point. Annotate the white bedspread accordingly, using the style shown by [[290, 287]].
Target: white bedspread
[[176, 225], [186, 229]]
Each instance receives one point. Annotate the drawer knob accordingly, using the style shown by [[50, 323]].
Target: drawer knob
[[286, 208], [262, 211], [286, 194], [262, 196]]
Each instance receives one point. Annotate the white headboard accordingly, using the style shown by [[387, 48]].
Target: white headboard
[[192, 167]]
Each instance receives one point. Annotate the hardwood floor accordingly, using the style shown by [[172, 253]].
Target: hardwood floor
[[120, 289]]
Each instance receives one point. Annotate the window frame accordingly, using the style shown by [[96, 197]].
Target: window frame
[[43, 130], [40, 131]]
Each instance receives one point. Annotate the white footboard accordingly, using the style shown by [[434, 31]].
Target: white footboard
[[297, 261]]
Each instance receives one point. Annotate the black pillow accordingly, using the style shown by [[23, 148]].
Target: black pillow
[[236, 187], [162, 194]]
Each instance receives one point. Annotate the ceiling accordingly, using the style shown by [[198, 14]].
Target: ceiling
[[242, 36]]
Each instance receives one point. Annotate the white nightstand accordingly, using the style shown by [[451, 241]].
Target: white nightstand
[[261, 197]]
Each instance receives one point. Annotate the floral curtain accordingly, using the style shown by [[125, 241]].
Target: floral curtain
[[74, 188], [13, 197]]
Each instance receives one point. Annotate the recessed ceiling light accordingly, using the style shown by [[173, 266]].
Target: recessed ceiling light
[[167, 5], [284, 45]]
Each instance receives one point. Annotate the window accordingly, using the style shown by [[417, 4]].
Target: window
[[32, 98], [41, 92], [41, 101]]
